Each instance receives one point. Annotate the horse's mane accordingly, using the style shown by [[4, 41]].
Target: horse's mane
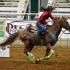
[[61, 18], [57, 20]]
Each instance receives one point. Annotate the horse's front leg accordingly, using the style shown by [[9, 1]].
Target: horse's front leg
[[49, 51]]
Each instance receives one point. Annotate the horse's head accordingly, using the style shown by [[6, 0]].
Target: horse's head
[[65, 23]]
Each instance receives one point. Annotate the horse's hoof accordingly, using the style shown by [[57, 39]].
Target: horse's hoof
[[36, 61]]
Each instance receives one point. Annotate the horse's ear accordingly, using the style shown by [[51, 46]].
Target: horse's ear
[[65, 17]]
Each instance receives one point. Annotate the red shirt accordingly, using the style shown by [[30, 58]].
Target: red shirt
[[45, 15]]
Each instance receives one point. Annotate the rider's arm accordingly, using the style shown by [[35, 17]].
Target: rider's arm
[[52, 17]]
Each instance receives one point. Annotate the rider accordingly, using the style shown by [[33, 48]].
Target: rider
[[41, 22]]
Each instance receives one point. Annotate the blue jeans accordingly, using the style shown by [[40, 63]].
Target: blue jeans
[[41, 28]]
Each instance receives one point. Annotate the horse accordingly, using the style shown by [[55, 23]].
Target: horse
[[48, 40]]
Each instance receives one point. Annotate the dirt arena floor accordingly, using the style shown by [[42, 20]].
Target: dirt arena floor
[[18, 60]]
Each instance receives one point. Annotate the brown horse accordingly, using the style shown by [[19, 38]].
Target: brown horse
[[48, 39]]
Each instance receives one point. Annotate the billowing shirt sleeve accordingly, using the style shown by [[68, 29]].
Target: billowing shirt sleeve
[[51, 16]]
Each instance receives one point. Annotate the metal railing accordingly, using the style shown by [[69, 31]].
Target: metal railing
[[29, 14], [15, 3], [14, 15]]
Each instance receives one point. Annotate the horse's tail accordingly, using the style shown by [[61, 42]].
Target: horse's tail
[[10, 39]]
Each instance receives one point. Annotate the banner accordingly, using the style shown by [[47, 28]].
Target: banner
[[5, 51], [14, 26]]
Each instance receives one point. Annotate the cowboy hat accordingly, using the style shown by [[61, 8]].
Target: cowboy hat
[[48, 8]]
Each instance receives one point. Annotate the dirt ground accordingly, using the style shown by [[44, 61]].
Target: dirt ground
[[18, 60]]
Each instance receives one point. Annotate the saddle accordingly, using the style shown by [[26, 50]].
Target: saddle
[[32, 29]]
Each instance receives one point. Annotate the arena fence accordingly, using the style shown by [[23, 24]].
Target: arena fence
[[14, 15]]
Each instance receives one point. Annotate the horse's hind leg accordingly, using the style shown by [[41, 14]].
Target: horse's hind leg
[[28, 47], [27, 50]]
